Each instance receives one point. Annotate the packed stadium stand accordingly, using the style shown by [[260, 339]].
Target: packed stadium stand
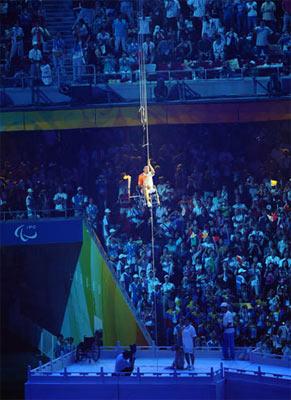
[[96, 41], [221, 229]]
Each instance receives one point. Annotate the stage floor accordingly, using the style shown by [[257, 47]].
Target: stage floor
[[152, 365]]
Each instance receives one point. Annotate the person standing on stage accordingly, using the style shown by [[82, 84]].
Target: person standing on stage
[[228, 332], [188, 340]]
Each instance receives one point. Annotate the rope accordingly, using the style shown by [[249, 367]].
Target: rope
[[143, 110]]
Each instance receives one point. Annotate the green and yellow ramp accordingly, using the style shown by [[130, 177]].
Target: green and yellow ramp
[[97, 302]]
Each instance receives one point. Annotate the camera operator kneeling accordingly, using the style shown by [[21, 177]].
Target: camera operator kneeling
[[124, 363]]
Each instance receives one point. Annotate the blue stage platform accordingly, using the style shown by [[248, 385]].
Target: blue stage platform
[[211, 379]]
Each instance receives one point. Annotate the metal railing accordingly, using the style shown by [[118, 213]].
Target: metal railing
[[200, 73], [58, 367], [84, 73], [37, 214], [212, 374], [258, 372]]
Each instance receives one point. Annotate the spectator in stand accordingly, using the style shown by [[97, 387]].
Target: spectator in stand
[[58, 53], [135, 289], [126, 8], [86, 13], [183, 50], [149, 50], [199, 11], [168, 289], [79, 201], [231, 44], [286, 5], [16, 35], [30, 204], [92, 213], [60, 201], [35, 57], [252, 14], [106, 224], [161, 93], [268, 10], [105, 39], [262, 42], [218, 49], [144, 25], [240, 16], [38, 33], [78, 62], [119, 28], [172, 8], [165, 51], [208, 27], [124, 67], [228, 14], [126, 278], [81, 32], [205, 48], [132, 51], [158, 34], [109, 64], [25, 21]]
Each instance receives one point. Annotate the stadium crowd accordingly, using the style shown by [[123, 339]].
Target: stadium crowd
[[221, 231], [179, 35], [25, 40], [188, 35]]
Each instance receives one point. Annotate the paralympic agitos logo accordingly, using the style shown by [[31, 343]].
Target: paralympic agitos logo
[[26, 233]]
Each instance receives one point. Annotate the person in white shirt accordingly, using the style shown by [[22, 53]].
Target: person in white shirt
[[172, 13], [144, 25], [268, 10], [123, 363], [198, 6], [199, 10], [263, 33], [188, 340], [35, 57], [167, 290], [16, 35], [228, 332], [146, 184], [106, 224], [152, 282], [218, 49], [252, 14], [149, 50], [30, 204], [60, 201]]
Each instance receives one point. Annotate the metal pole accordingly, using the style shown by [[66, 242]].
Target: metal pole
[[52, 348], [28, 372]]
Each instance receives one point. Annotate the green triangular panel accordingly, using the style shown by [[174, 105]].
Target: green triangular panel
[[96, 302]]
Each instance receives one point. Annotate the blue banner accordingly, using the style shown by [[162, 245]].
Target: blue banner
[[42, 231]]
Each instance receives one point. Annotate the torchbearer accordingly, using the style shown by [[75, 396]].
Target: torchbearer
[[146, 184]]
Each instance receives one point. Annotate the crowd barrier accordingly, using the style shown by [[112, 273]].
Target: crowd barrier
[[257, 356]]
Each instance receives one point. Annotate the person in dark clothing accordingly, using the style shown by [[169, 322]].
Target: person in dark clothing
[[161, 90]]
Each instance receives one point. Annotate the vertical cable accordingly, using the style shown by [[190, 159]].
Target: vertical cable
[[143, 109]]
